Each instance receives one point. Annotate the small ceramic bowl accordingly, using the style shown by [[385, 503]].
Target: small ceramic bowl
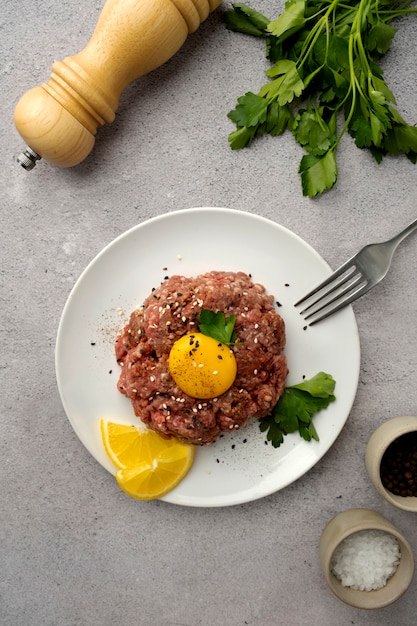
[[342, 526], [378, 443]]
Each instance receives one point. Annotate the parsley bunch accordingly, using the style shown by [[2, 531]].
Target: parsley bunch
[[296, 407], [324, 56]]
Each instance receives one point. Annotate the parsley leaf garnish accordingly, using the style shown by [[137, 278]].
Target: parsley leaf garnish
[[296, 407], [218, 326], [324, 65]]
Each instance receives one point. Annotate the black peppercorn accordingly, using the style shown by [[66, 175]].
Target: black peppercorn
[[398, 469]]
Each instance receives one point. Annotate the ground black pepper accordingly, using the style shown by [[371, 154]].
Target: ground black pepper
[[398, 469]]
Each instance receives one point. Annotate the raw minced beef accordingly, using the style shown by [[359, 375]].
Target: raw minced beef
[[171, 311]]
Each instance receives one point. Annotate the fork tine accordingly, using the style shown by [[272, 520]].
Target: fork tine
[[350, 264], [341, 304], [340, 288]]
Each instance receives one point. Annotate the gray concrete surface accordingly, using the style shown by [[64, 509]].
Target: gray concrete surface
[[75, 551]]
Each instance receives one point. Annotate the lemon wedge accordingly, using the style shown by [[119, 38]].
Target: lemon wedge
[[148, 466]]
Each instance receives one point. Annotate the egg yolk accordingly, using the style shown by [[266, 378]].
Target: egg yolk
[[202, 366]]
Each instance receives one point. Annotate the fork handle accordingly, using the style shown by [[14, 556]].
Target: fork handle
[[404, 233]]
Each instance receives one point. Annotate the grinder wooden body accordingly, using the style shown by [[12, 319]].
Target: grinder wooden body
[[59, 119]]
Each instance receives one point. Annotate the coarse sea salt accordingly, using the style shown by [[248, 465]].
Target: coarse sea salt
[[366, 559]]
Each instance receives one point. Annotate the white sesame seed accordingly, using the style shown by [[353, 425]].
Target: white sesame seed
[[256, 325], [215, 372], [255, 372], [255, 340], [152, 379], [201, 365]]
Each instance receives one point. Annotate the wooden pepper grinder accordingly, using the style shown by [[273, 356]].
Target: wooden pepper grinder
[[59, 119]]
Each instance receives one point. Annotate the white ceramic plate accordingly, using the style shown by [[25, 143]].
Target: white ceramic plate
[[239, 467]]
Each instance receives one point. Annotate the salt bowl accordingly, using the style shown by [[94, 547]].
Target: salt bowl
[[366, 560], [382, 443]]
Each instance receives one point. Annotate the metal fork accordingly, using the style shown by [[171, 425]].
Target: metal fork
[[353, 279]]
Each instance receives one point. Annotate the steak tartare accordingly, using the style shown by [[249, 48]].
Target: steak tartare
[[171, 311]]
